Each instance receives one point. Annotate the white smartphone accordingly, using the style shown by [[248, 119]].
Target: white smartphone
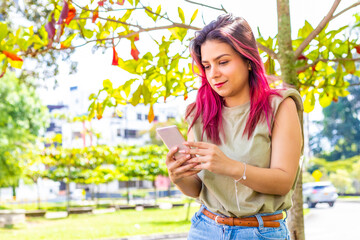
[[172, 137]]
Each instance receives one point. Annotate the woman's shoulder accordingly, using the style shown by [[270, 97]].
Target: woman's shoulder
[[190, 112], [286, 93]]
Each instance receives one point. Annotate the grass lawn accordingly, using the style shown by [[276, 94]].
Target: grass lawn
[[111, 225], [349, 198]]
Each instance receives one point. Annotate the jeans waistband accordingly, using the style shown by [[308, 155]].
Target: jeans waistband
[[258, 214]]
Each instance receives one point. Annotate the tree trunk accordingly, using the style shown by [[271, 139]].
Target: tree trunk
[[289, 77], [38, 193], [155, 191], [127, 193], [14, 191], [67, 196]]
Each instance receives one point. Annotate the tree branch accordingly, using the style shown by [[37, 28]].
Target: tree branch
[[346, 9], [112, 10], [303, 68], [204, 5], [354, 84], [161, 16], [267, 50], [141, 30], [317, 30]]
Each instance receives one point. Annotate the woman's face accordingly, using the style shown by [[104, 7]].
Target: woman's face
[[226, 71]]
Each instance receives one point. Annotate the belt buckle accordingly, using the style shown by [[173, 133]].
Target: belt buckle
[[217, 221]]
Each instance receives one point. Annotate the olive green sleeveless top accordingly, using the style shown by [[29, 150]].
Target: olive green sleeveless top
[[218, 191]]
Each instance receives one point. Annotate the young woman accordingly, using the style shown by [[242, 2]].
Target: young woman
[[245, 139]]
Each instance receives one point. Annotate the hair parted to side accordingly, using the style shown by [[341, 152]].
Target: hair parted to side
[[236, 32]]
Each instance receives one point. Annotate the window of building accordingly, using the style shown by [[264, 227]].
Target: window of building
[[129, 133], [139, 116], [118, 132], [76, 135]]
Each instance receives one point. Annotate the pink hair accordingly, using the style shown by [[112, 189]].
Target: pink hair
[[236, 32]]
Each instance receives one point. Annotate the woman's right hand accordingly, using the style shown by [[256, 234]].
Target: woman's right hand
[[176, 167]]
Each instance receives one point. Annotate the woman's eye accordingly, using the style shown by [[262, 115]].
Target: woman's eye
[[206, 67], [224, 62]]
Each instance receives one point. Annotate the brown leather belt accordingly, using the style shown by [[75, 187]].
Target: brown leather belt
[[269, 221]]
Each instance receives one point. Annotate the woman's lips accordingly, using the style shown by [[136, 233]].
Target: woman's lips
[[219, 85]]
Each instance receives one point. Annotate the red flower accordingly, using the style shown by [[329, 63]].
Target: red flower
[[64, 13], [120, 2], [115, 60], [357, 49], [50, 27], [302, 57], [101, 3], [71, 15], [12, 56], [135, 53], [95, 15]]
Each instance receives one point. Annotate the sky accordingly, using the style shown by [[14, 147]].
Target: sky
[[94, 68]]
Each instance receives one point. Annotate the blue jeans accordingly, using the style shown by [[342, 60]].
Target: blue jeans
[[204, 228]]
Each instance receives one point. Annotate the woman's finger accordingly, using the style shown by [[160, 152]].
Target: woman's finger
[[177, 163], [170, 154], [195, 151], [197, 144], [197, 160], [178, 171]]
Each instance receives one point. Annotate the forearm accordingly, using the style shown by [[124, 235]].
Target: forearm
[[190, 186], [264, 180]]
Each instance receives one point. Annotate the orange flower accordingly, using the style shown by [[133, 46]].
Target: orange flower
[[115, 60], [95, 15], [12, 56], [71, 15], [135, 53], [120, 2]]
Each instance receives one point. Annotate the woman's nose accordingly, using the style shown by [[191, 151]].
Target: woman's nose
[[214, 72]]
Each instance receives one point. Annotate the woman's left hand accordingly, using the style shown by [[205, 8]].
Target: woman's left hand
[[209, 156]]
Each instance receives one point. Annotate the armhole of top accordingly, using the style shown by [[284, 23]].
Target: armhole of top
[[298, 105]]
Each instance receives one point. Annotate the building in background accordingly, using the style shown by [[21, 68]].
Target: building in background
[[111, 130]]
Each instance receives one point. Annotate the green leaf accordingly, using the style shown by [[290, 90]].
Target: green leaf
[[342, 92], [158, 10], [126, 16], [194, 15], [67, 42], [3, 31], [88, 33], [127, 86], [306, 30], [181, 15], [107, 84], [309, 103], [104, 34], [92, 96], [129, 65], [325, 99], [150, 14], [136, 96], [349, 65], [92, 110], [146, 94], [178, 33]]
